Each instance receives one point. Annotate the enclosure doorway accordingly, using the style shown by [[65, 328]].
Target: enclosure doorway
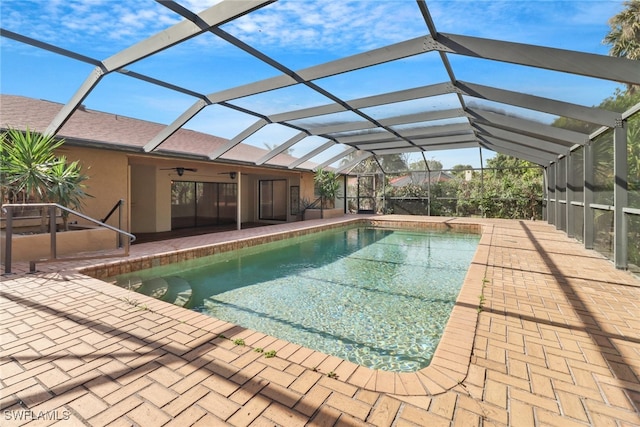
[[366, 193]]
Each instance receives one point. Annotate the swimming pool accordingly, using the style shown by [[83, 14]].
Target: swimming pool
[[377, 297]]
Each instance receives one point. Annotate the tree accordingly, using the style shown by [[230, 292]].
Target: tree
[[624, 36], [511, 188], [433, 165], [461, 168], [328, 187], [367, 165], [393, 162]]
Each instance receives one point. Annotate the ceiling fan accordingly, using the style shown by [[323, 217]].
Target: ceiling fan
[[180, 170], [232, 175]]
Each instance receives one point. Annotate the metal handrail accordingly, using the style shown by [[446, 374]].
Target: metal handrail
[[118, 207], [312, 205], [113, 209], [8, 209]]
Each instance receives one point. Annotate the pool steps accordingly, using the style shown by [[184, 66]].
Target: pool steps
[[172, 289], [179, 291]]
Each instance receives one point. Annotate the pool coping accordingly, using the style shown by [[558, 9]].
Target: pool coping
[[451, 360]]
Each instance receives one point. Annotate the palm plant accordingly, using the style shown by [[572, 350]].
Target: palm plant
[[66, 186], [27, 158], [30, 171], [624, 36], [271, 147], [328, 186]]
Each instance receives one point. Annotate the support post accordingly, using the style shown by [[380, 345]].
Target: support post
[[119, 236], [558, 212], [8, 231], [588, 195], [620, 197], [375, 193], [545, 193], [551, 191], [426, 164], [482, 184], [569, 192], [358, 194], [344, 186], [239, 201], [53, 228]]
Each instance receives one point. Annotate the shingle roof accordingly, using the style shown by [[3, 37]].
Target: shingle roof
[[116, 131]]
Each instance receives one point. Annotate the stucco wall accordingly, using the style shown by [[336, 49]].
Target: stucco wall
[[143, 199], [247, 199], [108, 182], [38, 246], [306, 186], [148, 200], [163, 199]]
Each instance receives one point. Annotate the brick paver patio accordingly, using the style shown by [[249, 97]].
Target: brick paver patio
[[556, 342]]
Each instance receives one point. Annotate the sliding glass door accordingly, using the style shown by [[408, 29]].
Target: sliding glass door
[[198, 204], [273, 200]]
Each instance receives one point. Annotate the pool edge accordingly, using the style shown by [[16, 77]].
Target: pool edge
[[450, 363]]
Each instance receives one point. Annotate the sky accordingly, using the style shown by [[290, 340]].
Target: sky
[[298, 34]]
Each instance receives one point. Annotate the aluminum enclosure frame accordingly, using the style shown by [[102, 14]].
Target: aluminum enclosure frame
[[423, 132]]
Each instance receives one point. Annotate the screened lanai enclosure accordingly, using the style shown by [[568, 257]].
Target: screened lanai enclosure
[[416, 103]]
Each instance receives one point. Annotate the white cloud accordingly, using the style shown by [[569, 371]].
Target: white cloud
[[198, 6], [335, 26], [338, 27], [88, 26]]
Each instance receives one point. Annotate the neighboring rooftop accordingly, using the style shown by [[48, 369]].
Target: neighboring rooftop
[[94, 128]]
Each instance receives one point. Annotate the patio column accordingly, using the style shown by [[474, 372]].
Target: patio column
[[545, 193], [239, 202], [551, 193], [588, 195], [620, 199], [558, 178], [569, 192]]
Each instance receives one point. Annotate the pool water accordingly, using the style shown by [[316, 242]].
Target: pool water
[[380, 298]]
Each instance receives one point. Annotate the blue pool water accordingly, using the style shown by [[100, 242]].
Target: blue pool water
[[377, 297]]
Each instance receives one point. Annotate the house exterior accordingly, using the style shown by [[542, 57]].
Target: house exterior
[[173, 187]]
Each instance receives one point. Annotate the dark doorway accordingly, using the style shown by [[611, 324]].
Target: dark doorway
[[202, 204]]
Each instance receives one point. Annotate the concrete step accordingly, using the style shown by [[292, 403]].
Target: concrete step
[[179, 291], [156, 287]]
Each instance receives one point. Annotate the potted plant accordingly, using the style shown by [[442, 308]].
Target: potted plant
[[328, 188]]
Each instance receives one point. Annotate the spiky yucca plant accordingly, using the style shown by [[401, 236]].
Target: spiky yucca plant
[[30, 171]]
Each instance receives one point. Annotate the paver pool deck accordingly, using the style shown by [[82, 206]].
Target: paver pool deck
[[555, 342]]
